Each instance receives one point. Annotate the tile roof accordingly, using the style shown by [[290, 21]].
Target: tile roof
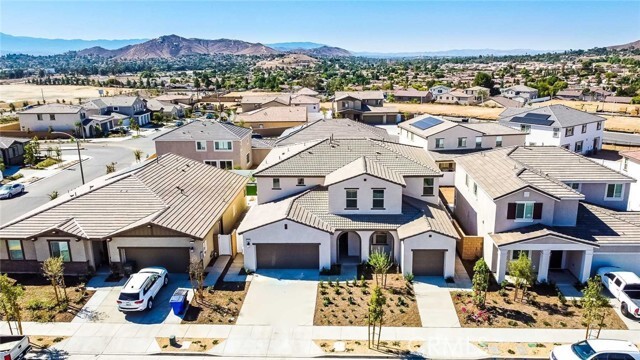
[[595, 225], [307, 91], [411, 92], [172, 192], [504, 101], [53, 109], [336, 128], [274, 114], [631, 154], [361, 95], [493, 128], [6, 141], [325, 156], [263, 99], [205, 130], [561, 115], [444, 125], [311, 208], [304, 99], [361, 166], [523, 88], [263, 143], [116, 100]]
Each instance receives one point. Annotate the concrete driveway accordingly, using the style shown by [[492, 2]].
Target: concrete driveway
[[280, 298], [434, 302], [102, 306]]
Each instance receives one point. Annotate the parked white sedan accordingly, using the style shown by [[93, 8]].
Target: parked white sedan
[[138, 292], [595, 350], [625, 287], [10, 190]]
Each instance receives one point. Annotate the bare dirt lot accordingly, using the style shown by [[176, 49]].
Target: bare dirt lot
[[32, 93]]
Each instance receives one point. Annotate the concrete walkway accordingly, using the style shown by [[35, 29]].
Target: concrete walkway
[[215, 270], [434, 302], [233, 274]]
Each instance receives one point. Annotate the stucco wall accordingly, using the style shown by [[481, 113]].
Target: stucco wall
[[288, 186], [124, 242], [504, 224], [28, 247], [365, 185], [188, 149], [451, 136], [564, 212], [595, 193], [63, 122], [415, 185], [429, 241]]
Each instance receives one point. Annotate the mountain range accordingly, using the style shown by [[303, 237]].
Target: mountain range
[[10, 44]]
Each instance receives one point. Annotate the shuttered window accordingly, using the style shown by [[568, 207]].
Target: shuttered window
[[524, 211]]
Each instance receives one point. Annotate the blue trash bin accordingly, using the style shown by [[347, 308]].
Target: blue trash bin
[[178, 301]]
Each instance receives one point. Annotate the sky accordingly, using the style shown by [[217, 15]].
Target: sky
[[373, 26]]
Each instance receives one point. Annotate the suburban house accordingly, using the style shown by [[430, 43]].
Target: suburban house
[[501, 102], [335, 201], [455, 97], [618, 99], [565, 211], [168, 109], [412, 95], [306, 91], [557, 125], [445, 140], [520, 93], [479, 93], [439, 90], [332, 128], [131, 107], [164, 212], [12, 150], [365, 106], [570, 94], [311, 103], [272, 121], [55, 117], [260, 148], [253, 102], [220, 144], [631, 167]]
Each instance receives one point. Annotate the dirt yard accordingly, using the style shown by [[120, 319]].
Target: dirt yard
[[221, 304], [195, 345], [32, 93], [346, 304], [542, 308], [622, 123], [526, 350], [44, 342], [39, 301], [361, 347]]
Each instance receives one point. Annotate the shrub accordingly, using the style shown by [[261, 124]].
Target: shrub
[[546, 323], [15, 177], [46, 163], [408, 277]]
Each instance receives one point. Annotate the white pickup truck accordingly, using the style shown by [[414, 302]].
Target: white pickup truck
[[624, 286], [14, 347]]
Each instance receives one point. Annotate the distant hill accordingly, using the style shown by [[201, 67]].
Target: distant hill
[[454, 53], [286, 46], [10, 44], [631, 45], [173, 46], [323, 51]]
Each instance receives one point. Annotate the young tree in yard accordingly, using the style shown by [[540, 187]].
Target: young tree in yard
[[594, 305], [196, 275], [10, 295], [137, 153], [522, 271], [380, 262], [480, 282], [376, 315], [111, 168], [53, 270], [135, 126], [32, 151], [58, 152]]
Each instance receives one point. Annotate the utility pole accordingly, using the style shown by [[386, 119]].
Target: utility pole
[[78, 147]]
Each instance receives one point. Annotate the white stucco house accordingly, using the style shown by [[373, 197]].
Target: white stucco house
[[445, 140], [565, 211], [557, 125], [335, 201], [631, 167]]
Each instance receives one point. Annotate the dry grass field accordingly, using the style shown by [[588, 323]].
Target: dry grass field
[[32, 93]]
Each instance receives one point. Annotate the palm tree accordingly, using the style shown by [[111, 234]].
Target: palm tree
[[137, 154]]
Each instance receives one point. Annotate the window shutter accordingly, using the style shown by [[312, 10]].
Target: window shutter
[[511, 211], [537, 211]]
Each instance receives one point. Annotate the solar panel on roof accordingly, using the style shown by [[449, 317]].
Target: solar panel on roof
[[537, 116], [531, 120], [426, 123]]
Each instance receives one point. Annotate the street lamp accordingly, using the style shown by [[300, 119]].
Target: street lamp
[[78, 146]]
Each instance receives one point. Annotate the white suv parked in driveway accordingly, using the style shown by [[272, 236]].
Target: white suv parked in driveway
[[138, 292]]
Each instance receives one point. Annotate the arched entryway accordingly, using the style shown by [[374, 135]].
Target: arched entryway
[[349, 248], [381, 241], [92, 131]]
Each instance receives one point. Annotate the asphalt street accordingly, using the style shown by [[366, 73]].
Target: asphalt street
[[102, 154], [617, 138]]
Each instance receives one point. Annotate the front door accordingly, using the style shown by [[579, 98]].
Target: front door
[[596, 141], [555, 261]]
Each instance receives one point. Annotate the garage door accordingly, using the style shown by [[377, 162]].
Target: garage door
[[288, 256], [376, 119], [428, 262], [173, 259]]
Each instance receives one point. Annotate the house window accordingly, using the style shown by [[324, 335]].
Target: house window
[[439, 143], [352, 198], [15, 249], [60, 249], [498, 141], [599, 125], [211, 162], [201, 145], [226, 164], [300, 182], [248, 157], [115, 108], [448, 166], [478, 142], [614, 191], [525, 128], [378, 198], [475, 189], [578, 146], [462, 142], [556, 132], [39, 116], [275, 183], [467, 180], [524, 211], [428, 187], [380, 239], [625, 164], [52, 117], [584, 128], [569, 131], [223, 145], [515, 254]]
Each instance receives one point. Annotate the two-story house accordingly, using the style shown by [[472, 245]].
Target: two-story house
[[56, 117], [566, 212], [412, 95], [521, 93], [131, 107], [479, 93], [557, 125], [455, 97], [439, 90], [12, 150], [334, 129], [336, 201], [254, 102], [365, 106], [219, 144], [445, 140], [273, 121]]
